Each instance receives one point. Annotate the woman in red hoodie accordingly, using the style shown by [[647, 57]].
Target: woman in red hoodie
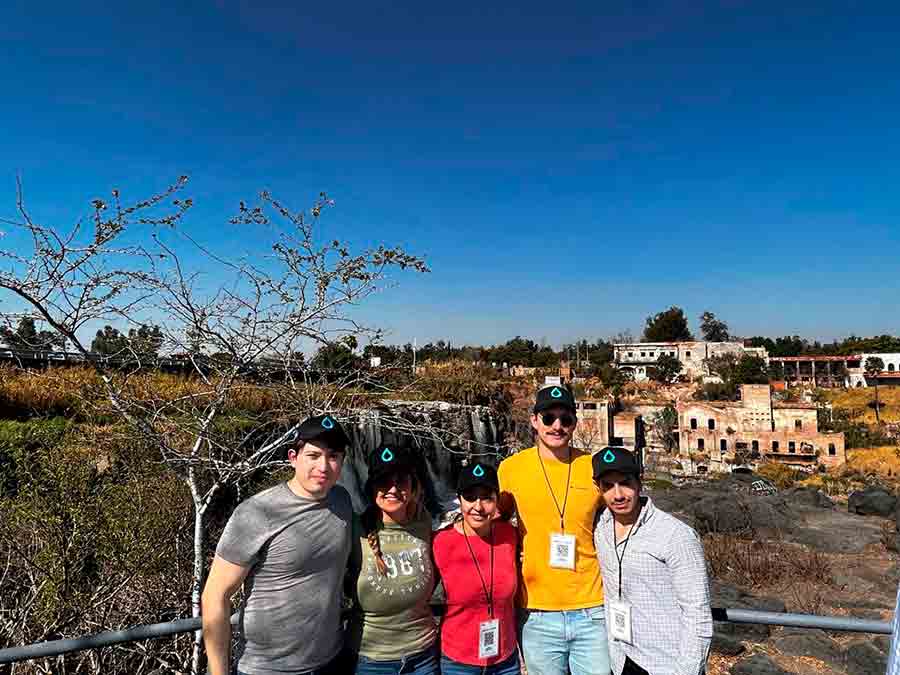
[[476, 558]]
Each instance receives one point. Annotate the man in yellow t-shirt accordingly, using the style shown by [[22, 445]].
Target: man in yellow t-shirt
[[550, 488]]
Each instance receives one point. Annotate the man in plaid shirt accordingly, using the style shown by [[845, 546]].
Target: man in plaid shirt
[[654, 574]]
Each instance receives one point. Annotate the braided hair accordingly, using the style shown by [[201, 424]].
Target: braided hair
[[372, 520]]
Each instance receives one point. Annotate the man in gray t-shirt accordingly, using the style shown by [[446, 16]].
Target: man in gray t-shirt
[[288, 546]]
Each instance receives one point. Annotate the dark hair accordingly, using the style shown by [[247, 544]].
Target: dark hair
[[371, 517]]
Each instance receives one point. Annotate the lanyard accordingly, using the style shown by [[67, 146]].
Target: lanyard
[[560, 511], [620, 558], [489, 595]]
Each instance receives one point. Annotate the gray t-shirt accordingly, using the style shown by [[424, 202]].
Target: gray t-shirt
[[297, 549]]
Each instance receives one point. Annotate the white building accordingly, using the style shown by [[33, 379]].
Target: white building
[[637, 357]]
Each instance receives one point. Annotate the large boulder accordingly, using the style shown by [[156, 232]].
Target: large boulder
[[806, 642], [872, 502], [758, 664], [863, 658], [808, 497], [731, 512]]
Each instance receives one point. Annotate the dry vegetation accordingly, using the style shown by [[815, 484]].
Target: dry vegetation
[[857, 400]]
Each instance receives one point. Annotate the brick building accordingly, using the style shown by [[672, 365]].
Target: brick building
[[724, 434]]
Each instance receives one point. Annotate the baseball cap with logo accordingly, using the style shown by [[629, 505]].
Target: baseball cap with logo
[[614, 458], [384, 460], [551, 397], [324, 428], [477, 474]]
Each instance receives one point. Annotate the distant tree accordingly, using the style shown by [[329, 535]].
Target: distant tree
[[145, 341], [337, 356], [665, 428], [27, 336], [622, 337], [109, 342], [668, 326], [666, 369], [873, 366], [713, 330], [734, 370]]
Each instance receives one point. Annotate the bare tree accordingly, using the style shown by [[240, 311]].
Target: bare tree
[[240, 333]]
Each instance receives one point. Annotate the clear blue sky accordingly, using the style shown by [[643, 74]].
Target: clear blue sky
[[567, 168]]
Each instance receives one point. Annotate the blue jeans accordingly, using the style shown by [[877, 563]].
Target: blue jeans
[[508, 666], [570, 641], [423, 663]]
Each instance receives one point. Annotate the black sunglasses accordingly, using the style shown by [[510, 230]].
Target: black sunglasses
[[565, 419], [473, 495]]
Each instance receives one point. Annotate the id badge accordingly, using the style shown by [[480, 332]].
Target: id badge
[[562, 551], [620, 626], [488, 639]]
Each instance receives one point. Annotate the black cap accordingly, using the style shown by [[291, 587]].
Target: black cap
[[551, 397], [477, 474], [614, 459], [384, 459], [324, 428]]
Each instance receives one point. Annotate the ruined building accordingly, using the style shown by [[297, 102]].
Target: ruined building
[[637, 357], [720, 435]]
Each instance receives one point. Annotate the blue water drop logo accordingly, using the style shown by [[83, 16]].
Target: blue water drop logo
[[328, 423], [556, 393], [609, 457], [479, 472], [387, 455]]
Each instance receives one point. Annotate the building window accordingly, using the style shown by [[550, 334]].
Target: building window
[[754, 446], [831, 449], [671, 353], [711, 424], [890, 367], [792, 447], [630, 353], [700, 444], [687, 354], [590, 406], [723, 445], [693, 423], [774, 446], [798, 424]]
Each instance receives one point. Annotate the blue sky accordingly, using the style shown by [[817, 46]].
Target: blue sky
[[566, 168]]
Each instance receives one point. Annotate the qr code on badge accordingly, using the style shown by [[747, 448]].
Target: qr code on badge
[[620, 621], [487, 639], [562, 550]]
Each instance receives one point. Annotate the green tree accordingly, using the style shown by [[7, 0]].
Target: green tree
[[873, 366], [27, 336], [713, 330], [665, 428], [666, 369], [668, 326], [109, 342], [145, 341], [734, 370]]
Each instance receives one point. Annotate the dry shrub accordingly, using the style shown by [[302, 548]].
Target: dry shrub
[[882, 461], [752, 563], [781, 475], [57, 391]]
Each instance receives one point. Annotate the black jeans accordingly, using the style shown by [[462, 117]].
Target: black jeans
[[631, 668]]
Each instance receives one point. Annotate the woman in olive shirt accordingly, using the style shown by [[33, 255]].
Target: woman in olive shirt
[[393, 628]]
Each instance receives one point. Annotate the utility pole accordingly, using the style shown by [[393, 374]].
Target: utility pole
[[414, 357]]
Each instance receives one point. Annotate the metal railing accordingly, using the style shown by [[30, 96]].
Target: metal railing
[[42, 650]]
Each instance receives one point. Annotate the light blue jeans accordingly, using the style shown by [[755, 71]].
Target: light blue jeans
[[570, 641]]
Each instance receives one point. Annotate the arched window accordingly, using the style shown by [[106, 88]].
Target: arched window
[[723, 445]]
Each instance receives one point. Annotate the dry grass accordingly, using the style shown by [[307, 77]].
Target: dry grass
[[858, 400], [883, 461], [763, 563]]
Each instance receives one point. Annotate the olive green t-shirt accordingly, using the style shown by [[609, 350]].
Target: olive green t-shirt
[[393, 617]]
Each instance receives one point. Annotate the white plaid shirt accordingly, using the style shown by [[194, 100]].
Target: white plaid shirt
[[894, 653], [664, 580]]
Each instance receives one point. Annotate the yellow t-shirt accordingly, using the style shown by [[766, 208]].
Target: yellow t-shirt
[[522, 485]]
